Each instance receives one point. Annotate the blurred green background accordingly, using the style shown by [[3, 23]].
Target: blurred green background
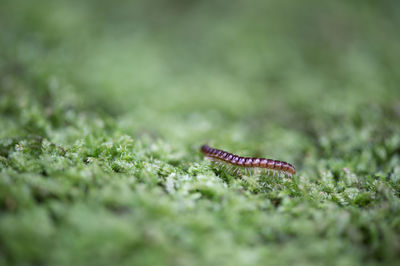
[[314, 83]]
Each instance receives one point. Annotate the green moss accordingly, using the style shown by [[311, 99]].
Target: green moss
[[103, 109]]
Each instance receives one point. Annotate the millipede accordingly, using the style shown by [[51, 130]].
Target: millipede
[[245, 165]]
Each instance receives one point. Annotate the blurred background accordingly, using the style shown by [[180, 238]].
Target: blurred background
[[266, 75]]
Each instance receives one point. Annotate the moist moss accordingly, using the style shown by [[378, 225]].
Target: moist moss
[[102, 118]]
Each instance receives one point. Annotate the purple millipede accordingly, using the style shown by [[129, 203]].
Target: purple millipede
[[238, 165]]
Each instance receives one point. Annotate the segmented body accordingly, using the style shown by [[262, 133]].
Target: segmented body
[[239, 165]]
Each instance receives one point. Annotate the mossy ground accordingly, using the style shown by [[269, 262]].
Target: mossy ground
[[104, 105]]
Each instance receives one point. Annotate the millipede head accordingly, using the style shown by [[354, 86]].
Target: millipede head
[[205, 148]]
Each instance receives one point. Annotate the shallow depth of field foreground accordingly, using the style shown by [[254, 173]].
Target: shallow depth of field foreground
[[104, 106]]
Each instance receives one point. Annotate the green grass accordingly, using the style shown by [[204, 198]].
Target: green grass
[[104, 106]]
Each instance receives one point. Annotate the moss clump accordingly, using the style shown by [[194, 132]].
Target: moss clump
[[103, 109]]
